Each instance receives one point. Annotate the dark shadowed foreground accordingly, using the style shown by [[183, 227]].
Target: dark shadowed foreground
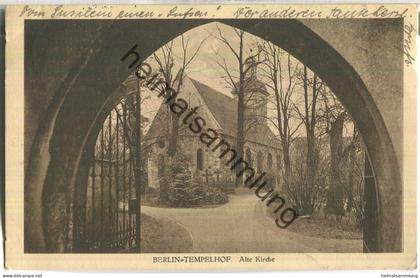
[[163, 236]]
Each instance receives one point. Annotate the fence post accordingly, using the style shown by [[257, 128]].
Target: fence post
[[138, 164]]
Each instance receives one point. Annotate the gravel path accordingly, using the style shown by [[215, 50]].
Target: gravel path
[[242, 226]]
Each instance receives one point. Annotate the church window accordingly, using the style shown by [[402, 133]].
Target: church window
[[200, 159], [278, 162], [269, 161], [249, 157], [161, 165], [260, 162]]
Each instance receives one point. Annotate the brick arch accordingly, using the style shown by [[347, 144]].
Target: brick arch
[[94, 78]]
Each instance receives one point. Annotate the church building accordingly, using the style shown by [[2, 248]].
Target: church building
[[262, 148]]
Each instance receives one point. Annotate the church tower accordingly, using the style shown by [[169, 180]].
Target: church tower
[[256, 95]]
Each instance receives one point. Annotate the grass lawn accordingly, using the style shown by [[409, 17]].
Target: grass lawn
[[152, 200], [163, 236]]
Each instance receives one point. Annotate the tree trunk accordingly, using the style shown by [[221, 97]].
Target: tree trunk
[[335, 196], [173, 138], [283, 128], [350, 179], [311, 161], [240, 133], [287, 164], [240, 139]]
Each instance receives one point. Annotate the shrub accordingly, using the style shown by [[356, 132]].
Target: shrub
[[215, 196], [179, 189], [270, 178], [186, 190], [149, 190], [224, 186]]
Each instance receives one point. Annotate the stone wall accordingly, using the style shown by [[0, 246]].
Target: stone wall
[[214, 168]]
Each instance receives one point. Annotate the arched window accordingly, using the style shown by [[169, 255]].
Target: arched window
[[200, 161], [249, 157], [278, 158], [260, 161], [269, 161], [161, 165]]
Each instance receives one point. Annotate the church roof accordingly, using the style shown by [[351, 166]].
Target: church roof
[[252, 84], [224, 109]]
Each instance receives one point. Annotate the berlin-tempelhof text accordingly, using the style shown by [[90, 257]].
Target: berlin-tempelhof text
[[210, 137]]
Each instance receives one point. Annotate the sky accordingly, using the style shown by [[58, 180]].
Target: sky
[[205, 68]]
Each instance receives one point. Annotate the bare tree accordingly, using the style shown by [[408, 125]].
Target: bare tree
[[311, 91], [342, 160], [282, 82], [174, 78], [237, 79], [174, 70], [335, 197], [349, 155]]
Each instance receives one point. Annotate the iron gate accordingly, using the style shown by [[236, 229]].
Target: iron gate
[[111, 213]]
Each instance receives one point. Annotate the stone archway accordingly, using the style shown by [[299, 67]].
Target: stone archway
[[57, 148]]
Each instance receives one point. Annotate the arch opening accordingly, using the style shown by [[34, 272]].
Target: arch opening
[[359, 104]]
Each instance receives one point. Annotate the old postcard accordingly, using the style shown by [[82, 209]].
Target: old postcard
[[211, 137]]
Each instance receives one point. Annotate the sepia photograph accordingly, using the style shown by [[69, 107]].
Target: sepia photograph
[[172, 130]]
